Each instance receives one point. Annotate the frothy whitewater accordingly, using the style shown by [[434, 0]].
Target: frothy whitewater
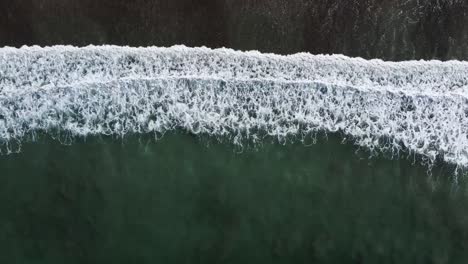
[[420, 106]]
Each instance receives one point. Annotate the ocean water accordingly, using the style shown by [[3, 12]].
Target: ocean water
[[192, 155], [185, 199], [390, 30]]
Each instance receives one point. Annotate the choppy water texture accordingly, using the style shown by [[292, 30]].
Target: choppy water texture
[[242, 96], [186, 200]]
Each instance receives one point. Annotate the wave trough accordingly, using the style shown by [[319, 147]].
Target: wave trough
[[416, 105]]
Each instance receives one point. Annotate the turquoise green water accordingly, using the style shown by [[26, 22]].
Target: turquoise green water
[[186, 200]]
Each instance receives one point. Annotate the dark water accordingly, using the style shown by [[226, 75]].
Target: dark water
[[186, 200], [387, 29]]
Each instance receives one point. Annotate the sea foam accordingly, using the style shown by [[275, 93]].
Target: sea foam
[[419, 106]]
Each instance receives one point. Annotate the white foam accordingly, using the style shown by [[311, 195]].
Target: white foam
[[420, 106]]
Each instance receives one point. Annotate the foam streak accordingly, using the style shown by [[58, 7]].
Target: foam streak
[[419, 106]]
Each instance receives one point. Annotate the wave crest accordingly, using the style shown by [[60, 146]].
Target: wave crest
[[419, 106]]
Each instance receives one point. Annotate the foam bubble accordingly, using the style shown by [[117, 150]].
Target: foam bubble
[[418, 106]]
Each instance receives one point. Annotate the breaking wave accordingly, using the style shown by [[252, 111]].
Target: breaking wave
[[107, 90]]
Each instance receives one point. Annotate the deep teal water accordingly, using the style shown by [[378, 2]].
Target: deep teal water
[[186, 200]]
